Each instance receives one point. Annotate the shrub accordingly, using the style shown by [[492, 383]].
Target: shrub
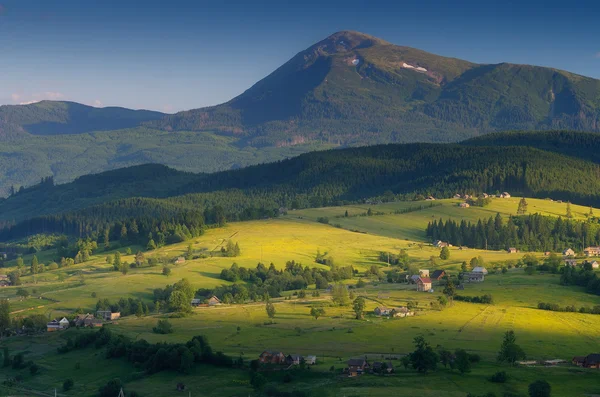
[[34, 369], [68, 384], [163, 327], [499, 377]]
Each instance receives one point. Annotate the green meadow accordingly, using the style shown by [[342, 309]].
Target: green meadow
[[245, 330]]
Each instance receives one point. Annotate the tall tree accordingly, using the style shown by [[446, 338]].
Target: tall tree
[[539, 388], [445, 253], [270, 308], [522, 209], [34, 265], [339, 295], [510, 352], [569, 213], [4, 316], [423, 359], [359, 307]]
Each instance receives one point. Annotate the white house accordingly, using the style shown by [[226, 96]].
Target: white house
[[568, 252], [480, 269]]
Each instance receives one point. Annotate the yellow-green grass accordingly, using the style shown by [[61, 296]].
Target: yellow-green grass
[[412, 225], [477, 328]]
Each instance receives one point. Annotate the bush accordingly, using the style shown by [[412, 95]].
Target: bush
[[68, 384], [163, 327], [34, 369], [112, 388], [499, 377]]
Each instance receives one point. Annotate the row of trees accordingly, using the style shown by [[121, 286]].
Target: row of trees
[[152, 358], [269, 280], [584, 277], [528, 233]]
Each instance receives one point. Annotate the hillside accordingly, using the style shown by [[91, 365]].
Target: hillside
[[581, 145], [355, 89], [315, 179]]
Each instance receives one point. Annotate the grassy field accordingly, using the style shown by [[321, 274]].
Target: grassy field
[[337, 336]]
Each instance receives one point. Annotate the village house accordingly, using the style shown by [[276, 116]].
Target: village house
[[474, 277], [479, 269], [438, 275], [108, 315], [272, 357], [505, 195], [57, 325], [424, 284], [379, 367], [180, 260], [413, 279], [310, 360], [3, 255], [213, 301], [457, 196], [382, 311], [196, 302], [293, 359], [464, 205], [485, 195], [424, 272], [568, 252], [512, 250], [87, 320], [357, 366], [595, 264], [571, 262], [547, 253], [430, 198], [592, 251], [440, 244], [4, 280], [401, 312], [589, 361]]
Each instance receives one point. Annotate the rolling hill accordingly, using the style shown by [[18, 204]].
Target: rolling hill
[[350, 89], [333, 177]]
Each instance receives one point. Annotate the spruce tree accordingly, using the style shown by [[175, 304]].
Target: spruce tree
[[522, 207], [569, 213]]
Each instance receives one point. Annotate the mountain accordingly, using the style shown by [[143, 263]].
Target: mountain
[[355, 89], [350, 89], [57, 118], [314, 179]]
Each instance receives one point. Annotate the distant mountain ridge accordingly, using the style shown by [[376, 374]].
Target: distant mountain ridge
[[350, 89], [62, 117]]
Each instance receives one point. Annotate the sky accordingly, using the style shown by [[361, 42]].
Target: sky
[[184, 54]]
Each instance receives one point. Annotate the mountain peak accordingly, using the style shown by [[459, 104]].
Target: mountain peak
[[346, 40]]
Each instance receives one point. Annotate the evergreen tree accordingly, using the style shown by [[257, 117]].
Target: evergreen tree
[[34, 265], [569, 213], [445, 253], [107, 238], [117, 260], [190, 253], [522, 207], [270, 308], [510, 352], [151, 245], [4, 316], [591, 212]]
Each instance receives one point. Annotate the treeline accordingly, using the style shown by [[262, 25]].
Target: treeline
[[486, 299], [571, 308], [126, 307], [527, 233], [152, 358], [328, 178], [584, 277], [271, 282]]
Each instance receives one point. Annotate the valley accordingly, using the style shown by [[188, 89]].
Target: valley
[[336, 336]]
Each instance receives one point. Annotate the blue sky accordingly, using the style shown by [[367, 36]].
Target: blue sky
[[183, 54]]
